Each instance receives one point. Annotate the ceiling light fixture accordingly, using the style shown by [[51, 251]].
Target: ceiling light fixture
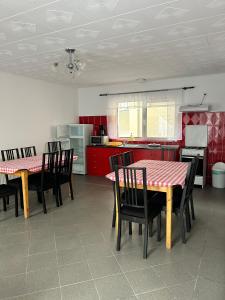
[[74, 65]]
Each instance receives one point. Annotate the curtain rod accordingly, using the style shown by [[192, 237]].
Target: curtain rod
[[149, 91]]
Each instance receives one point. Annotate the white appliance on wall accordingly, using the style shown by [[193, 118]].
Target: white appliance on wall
[[76, 136], [196, 140]]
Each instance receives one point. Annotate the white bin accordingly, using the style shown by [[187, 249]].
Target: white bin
[[218, 175]]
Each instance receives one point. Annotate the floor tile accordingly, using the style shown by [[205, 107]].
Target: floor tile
[[208, 290], [67, 242], [80, 291], [70, 256], [144, 280], [113, 287], [42, 260], [133, 261], [74, 273], [41, 280], [172, 274], [53, 294], [41, 245], [13, 264], [12, 286], [103, 267]]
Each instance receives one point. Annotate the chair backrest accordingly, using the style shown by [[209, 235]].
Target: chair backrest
[[189, 182], [115, 160], [65, 162], [10, 154], [54, 146], [28, 151], [128, 194], [128, 158]]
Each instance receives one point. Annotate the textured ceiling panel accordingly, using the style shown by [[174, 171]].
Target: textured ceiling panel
[[119, 40]]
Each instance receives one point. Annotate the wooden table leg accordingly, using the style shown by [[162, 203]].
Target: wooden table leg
[[169, 207], [24, 177]]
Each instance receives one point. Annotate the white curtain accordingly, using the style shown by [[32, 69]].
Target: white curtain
[[144, 100]]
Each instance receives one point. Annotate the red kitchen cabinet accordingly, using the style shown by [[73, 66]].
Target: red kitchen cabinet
[[98, 159]]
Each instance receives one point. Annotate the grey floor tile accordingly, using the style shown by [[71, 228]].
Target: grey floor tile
[[74, 273], [178, 292], [96, 251], [172, 274], [113, 287], [53, 294], [70, 256], [213, 270], [144, 280], [67, 242], [133, 261], [41, 245], [80, 291], [12, 286], [103, 267], [13, 264], [89, 238], [208, 290], [41, 280], [42, 260]]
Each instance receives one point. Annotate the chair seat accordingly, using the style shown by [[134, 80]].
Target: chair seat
[[34, 182], [7, 190], [137, 212], [15, 182], [63, 178]]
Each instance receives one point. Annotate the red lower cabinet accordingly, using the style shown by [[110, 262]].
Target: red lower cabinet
[[98, 158]]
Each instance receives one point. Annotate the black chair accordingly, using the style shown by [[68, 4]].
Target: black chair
[[65, 171], [181, 198], [54, 146], [128, 158], [115, 160], [5, 192], [47, 179], [11, 154], [28, 151], [137, 207]]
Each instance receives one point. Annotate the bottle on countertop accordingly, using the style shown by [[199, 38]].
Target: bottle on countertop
[[101, 130]]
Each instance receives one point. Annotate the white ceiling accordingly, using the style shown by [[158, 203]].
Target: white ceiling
[[120, 40]]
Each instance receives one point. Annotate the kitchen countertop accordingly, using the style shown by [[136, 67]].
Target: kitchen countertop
[[141, 146]]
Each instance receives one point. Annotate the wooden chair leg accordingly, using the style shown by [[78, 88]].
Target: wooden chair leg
[[159, 225], [145, 252], [119, 236], [130, 228], [16, 205], [71, 189], [140, 229]]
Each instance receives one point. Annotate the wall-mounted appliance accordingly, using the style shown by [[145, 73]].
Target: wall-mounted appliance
[[195, 107]]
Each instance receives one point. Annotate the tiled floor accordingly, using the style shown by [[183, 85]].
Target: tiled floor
[[70, 252]]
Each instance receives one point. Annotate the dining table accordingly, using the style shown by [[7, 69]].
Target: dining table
[[23, 167], [162, 176]]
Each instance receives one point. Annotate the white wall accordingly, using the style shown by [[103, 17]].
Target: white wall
[[90, 103], [30, 108]]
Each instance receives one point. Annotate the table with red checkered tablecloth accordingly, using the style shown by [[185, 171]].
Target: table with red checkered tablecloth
[[23, 167], [161, 176]]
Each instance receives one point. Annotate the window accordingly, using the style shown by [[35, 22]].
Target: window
[[129, 119], [146, 115], [161, 120]]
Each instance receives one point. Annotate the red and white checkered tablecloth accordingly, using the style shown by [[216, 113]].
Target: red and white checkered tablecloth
[[159, 173], [32, 164]]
